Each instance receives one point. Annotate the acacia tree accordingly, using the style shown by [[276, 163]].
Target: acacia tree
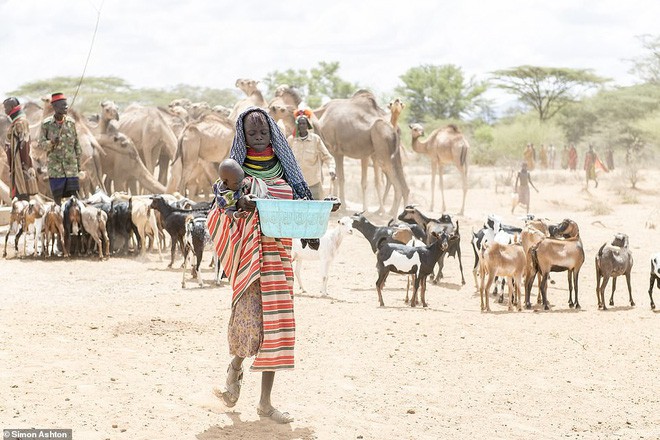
[[441, 92], [314, 85], [647, 67], [546, 89]]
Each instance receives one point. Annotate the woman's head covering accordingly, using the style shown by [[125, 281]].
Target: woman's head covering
[[292, 173]]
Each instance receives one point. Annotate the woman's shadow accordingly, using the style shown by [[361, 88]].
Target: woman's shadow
[[255, 429]]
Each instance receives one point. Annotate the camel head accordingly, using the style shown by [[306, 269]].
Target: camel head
[[396, 106], [199, 109], [109, 110], [416, 130], [126, 145], [221, 110], [247, 86], [181, 102]]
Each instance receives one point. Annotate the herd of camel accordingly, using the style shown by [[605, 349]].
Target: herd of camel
[[185, 141]]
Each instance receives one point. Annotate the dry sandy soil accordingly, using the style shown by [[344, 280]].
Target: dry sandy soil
[[117, 350]]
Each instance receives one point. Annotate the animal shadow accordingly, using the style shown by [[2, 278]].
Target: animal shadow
[[255, 429]]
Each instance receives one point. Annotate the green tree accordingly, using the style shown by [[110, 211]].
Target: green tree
[[441, 92], [618, 118], [314, 85], [647, 66], [546, 89]]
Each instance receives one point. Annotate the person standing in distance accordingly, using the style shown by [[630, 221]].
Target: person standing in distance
[[311, 154]]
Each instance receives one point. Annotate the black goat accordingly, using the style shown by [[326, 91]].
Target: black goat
[[74, 233], [174, 222], [195, 238], [445, 223], [376, 235], [417, 261]]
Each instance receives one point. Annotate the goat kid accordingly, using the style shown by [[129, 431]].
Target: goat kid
[[94, 221], [194, 239], [403, 259], [613, 260], [328, 248]]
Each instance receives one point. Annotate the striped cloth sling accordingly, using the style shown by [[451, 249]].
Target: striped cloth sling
[[247, 256]]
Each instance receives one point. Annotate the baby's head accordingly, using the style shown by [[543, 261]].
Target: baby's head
[[231, 174]]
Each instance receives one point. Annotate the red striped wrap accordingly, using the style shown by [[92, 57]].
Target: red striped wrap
[[247, 256]]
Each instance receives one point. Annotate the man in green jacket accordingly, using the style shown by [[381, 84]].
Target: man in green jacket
[[59, 139]]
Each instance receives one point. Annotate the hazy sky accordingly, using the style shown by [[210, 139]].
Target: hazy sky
[[211, 43]]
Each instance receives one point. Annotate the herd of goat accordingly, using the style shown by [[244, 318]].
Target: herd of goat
[[414, 244]]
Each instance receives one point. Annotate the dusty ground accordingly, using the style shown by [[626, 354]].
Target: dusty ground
[[117, 350]]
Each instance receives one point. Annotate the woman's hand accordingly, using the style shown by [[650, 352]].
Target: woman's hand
[[246, 203], [336, 202]]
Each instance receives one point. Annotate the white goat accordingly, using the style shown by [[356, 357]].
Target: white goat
[[328, 246]]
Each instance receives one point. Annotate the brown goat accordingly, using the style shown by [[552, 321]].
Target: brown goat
[[557, 255], [16, 216], [613, 260], [503, 260], [33, 219], [53, 226]]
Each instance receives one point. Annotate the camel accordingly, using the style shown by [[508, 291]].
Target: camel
[[254, 97], [356, 127], [208, 140], [444, 146], [152, 136], [282, 107], [396, 106]]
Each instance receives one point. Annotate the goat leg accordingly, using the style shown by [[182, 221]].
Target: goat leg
[[632, 303], [544, 292], [575, 286], [651, 291], [613, 289], [571, 304]]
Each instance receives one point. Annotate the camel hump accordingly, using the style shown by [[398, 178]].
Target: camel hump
[[454, 128]]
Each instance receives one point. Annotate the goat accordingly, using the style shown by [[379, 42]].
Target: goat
[[328, 247], [403, 259], [53, 226], [174, 222], [492, 231], [376, 235], [557, 255], [94, 221], [72, 221], [194, 239], [33, 220], [613, 260], [444, 223], [16, 216], [505, 260], [417, 230], [655, 276]]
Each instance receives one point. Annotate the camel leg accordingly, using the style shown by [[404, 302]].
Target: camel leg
[[632, 303], [613, 289], [363, 182], [339, 164], [464, 181], [434, 170], [442, 187], [163, 164], [378, 178]]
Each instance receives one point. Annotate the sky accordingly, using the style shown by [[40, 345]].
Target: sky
[[212, 43]]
